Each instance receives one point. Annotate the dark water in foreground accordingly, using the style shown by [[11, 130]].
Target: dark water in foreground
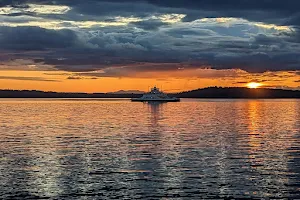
[[196, 149]]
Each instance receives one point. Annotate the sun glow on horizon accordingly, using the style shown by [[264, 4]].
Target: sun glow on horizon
[[253, 85]]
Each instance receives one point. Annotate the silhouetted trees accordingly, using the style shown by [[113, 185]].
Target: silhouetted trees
[[212, 92], [238, 92]]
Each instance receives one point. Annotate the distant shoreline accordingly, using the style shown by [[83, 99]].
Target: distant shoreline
[[211, 92]]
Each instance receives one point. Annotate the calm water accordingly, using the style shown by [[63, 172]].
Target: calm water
[[195, 149]]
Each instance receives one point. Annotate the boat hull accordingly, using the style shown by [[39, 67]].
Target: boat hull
[[154, 100]]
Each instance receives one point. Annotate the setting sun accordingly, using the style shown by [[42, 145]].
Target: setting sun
[[254, 85]]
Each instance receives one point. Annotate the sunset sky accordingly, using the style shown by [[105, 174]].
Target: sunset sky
[[102, 46]]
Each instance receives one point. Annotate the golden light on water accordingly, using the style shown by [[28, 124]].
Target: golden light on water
[[253, 85]]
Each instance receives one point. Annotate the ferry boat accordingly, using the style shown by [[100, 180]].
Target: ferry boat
[[155, 95]]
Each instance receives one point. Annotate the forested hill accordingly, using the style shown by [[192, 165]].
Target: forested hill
[[235, 92]]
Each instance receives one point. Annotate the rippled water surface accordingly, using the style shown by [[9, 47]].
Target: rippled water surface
[[195, 149]]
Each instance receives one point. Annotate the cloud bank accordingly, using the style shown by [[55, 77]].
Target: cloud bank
[[124, 38]]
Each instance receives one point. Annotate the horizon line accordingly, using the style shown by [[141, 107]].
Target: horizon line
[[45, 91]]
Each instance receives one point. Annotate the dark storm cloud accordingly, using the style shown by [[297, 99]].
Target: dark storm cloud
[[103, 50], [287, 5], [232, 4], [271, 11], [149, 24], [154, 41], [275, 11], [35, 38], [258, 62]]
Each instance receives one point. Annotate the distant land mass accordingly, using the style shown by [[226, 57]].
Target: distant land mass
[[211, 92], [127, 92], [239, 92], [42, 94]]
